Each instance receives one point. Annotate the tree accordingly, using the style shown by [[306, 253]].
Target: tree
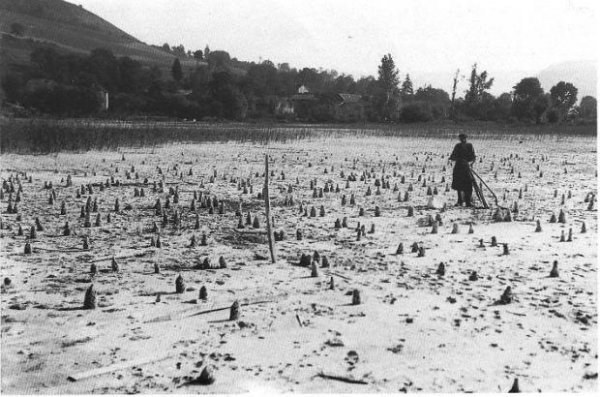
[[528, 100], [48, 63], [502, 107], [528, 88], [309, 78], [553, 116], [540, 105], [284, 67], [198, 55], [388, 76], [13, 86], [261, 79], [345, 84], [407, 88], [436, 100], [218, 59], [432, 95], [206, 51], [176, 71], [179, 50], [588, 108], [228, 101], [478, 84], [199, 81], [563, 96], [388, 81], [105, 67], [474, 96], [416, 112], [132, 74], [63, 100], [452, 101]]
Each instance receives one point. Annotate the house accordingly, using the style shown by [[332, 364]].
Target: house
[[328, 106], [303, 90], [303, 103], [349, 108]]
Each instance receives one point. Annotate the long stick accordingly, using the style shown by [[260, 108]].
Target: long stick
[[180, 315], [342, 378], [488, 188], [339, 275], [219, 309], [483, 182], [268, 211], [478, 191], [116, 367], [108, 258]]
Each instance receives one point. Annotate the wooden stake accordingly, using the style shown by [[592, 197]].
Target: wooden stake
[[268, 211]]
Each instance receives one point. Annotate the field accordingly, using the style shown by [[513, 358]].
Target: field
[[419, 326]]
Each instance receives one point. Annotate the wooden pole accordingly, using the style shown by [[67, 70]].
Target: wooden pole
[[116, 367], [478, 191], [268, 211]]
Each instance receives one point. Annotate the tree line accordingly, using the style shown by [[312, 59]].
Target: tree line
[[221, 87]]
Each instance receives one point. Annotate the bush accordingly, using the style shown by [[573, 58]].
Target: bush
[[17, 29], [416, 112], [127, 104], [13, 86], [553, 116], [63, 100], [178, 106]]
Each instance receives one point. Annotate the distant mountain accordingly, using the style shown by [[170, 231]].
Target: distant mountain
[[582, 74], [67, 27]]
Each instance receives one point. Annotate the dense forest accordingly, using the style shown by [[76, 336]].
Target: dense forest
[[224, 88]]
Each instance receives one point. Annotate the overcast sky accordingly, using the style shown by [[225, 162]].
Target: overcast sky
[[425, 37]]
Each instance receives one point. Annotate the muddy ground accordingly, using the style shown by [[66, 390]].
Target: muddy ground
[[414, 330]]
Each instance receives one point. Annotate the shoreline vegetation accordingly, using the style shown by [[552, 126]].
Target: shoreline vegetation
[[55, 135]]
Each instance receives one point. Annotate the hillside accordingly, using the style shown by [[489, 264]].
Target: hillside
[[68, 27]]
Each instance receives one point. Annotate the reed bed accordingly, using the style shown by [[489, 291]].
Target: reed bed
[[48, 136]]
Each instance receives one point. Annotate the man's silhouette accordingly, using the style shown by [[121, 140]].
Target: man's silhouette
[[463, 155]]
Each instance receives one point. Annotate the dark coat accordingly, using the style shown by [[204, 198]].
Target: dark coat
[[462, 154]]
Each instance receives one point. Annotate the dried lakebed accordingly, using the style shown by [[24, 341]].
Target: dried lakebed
[[430, 321]]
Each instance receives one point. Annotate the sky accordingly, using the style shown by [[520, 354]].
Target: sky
[[429, 39]]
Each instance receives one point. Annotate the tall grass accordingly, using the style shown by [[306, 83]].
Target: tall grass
[[46, 136]]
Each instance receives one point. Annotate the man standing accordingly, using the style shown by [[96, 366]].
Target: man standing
[[464, 156]]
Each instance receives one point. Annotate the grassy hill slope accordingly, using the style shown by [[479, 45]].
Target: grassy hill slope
[[68, 27]]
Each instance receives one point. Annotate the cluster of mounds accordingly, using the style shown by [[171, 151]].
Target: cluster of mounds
[[149, 270]]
